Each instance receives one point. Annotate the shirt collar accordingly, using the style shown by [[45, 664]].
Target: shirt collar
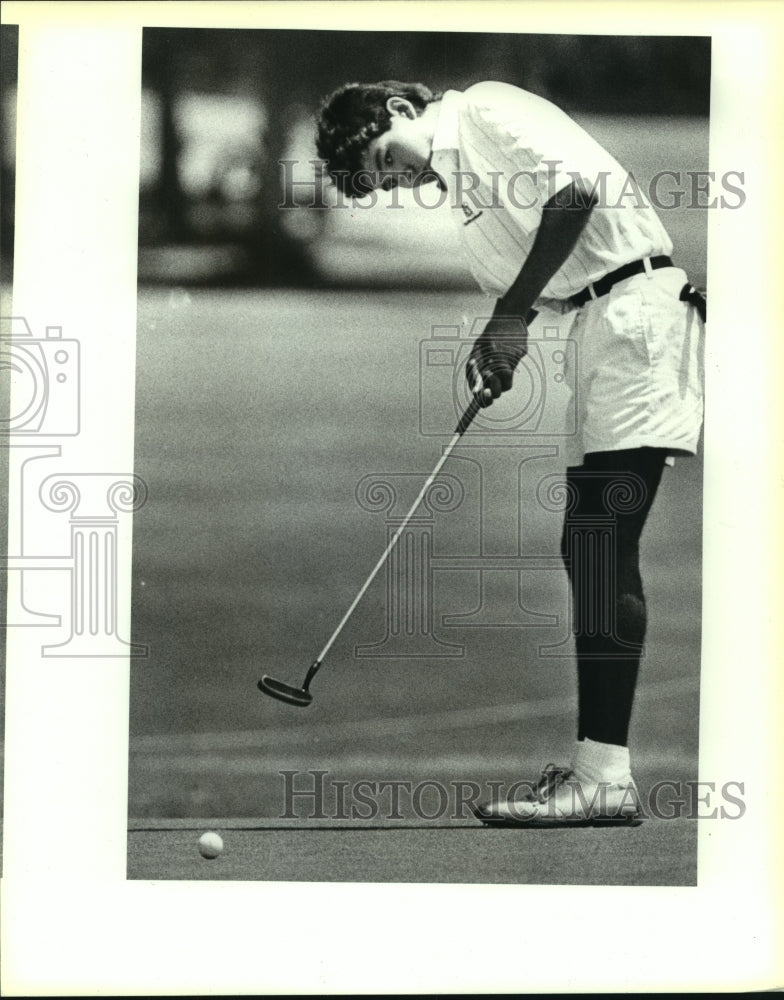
[[445, 133]]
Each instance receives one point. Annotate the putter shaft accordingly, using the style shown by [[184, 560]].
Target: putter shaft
[[302, 696], [463, 424]]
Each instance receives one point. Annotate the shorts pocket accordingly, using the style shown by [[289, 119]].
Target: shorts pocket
[[634, 336]]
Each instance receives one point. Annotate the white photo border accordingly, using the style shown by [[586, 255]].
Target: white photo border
[[71, 922]]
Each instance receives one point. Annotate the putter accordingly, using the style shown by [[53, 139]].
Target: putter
[[302, 696]]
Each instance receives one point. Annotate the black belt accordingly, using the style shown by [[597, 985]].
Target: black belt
[[603, 285]]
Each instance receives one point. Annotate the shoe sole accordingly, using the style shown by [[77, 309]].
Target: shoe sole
[[543, 823]]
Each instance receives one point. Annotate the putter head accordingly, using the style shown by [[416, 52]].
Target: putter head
[[285, 692]]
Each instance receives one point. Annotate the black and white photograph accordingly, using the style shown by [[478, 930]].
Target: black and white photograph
[[388, 550], [9, 43], [331, 287]]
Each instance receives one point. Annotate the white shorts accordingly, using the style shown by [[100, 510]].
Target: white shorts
[[637, 373]]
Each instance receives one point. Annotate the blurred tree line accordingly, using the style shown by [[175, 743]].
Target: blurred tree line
[[9, 48]]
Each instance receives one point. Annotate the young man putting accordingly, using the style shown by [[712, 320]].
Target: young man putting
[[549, 220]]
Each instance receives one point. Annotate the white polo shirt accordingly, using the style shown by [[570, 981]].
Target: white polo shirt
[[503, 153]]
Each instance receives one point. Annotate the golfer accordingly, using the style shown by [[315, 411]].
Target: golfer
[[549, 220]]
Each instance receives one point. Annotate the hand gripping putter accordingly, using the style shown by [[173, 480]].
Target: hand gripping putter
[[302, 696]]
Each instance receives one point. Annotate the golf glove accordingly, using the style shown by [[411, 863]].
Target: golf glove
[[494, 357]]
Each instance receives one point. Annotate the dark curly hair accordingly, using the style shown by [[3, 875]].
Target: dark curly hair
[[351, 118]]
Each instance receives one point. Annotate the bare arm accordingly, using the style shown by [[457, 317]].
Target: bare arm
[[563, 219], [501, 345]]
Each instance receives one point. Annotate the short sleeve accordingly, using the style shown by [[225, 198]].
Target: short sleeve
[[536, 145]]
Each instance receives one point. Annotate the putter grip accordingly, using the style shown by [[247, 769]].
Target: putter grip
[[470, 412]]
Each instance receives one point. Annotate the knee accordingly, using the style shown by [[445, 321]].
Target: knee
[[631, 618]]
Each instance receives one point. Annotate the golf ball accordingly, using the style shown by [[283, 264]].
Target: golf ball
[[210, 845]]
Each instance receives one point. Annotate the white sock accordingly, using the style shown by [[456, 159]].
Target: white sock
[[595, 762]]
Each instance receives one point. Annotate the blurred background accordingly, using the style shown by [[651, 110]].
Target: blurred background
[[278, 364], [220, 108], [9, 47]]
